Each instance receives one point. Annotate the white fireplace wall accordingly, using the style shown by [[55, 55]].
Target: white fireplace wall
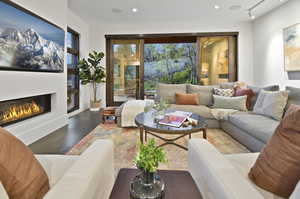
[[15, 84]]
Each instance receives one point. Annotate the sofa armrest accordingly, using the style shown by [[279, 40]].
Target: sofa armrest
[[90, 177], [214, 175]]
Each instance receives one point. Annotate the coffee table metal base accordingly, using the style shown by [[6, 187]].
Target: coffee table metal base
[[168, 141]]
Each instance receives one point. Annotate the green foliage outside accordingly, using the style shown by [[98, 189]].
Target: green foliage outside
[[170, 63], [149, 156]]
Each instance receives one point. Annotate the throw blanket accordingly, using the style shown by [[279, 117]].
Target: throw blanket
[[131, 109], [222, 114]]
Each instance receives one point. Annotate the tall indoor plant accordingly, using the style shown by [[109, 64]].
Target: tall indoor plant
[[91, 72]]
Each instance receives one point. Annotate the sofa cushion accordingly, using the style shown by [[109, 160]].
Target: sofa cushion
[[257, 90], [204, 111], [56, 165], [228, 85], [21, 174], [258, 126], [3, 194], [277, 168], [167, 92], [294, 96], [187, 98], [243, 163], [205, 93], [271, 103]]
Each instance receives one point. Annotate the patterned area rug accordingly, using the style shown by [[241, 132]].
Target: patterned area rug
[[125, 145]]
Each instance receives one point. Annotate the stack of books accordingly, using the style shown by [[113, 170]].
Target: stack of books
[[175, 119]]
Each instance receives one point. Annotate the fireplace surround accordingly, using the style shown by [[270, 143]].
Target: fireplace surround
[[16, 110]]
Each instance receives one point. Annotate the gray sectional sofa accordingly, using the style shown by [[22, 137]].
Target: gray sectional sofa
[[251, 130]]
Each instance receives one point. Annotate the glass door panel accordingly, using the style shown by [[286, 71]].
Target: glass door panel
[[126, 69], [214, 60]]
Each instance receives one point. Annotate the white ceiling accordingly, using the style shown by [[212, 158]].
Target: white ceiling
[[168, 10]]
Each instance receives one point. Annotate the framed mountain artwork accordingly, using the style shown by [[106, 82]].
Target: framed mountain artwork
[[29, 42], [292, 48]]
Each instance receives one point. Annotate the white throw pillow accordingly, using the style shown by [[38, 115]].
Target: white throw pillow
[[3, 194], [271, 103]]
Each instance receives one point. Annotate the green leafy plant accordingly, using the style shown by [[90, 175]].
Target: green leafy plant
[[91, 72], [162, 105], [149, 156]]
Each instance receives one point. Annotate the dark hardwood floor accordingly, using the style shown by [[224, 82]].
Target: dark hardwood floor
[[63, 139]]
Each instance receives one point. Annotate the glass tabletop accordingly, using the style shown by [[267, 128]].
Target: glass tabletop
[[147, 121]]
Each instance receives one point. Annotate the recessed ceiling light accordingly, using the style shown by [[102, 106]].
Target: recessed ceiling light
[[217, 7], [252, 17], [134, 10]]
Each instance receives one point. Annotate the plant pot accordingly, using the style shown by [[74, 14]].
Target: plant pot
[[147, 185], [147, 177], [95, 105]]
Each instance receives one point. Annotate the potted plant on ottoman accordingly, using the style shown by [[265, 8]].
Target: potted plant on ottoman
[[148, 184], [91, 72]]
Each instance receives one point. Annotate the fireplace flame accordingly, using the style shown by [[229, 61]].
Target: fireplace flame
[[21, 111]]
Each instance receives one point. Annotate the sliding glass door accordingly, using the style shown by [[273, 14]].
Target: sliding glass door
[[125, 61], [136, 63]]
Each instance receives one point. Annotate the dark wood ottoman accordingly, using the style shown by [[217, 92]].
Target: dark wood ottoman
[[109, 112], [179, 184]]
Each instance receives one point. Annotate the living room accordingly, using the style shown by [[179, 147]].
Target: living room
[[208, 91]]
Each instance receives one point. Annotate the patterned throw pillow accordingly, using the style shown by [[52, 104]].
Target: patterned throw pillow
[[224, 92]]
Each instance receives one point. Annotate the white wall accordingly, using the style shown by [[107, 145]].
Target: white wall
[[268, 45], [25, 84], [80, 26], [99, 29]]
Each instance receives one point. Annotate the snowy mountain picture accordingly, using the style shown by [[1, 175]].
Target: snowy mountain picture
[[28, 42]]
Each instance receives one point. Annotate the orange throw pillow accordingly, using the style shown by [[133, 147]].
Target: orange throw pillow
[[20, 173], [187, 99], [277, 168]]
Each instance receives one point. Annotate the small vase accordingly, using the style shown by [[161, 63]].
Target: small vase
[[159, 115], [147, 177], [147, 185], [95, 102]]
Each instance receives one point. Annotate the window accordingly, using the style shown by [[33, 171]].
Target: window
[[73, 78]]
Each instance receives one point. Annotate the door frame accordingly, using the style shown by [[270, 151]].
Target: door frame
[[168, 38]]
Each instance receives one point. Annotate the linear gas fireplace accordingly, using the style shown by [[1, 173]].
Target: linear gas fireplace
[[13, 111]]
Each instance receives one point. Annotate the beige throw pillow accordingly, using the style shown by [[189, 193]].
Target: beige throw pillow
[[271, 104], [235, 103]]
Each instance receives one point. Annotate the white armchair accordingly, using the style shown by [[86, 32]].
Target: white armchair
[[88, 176], [221, 176]]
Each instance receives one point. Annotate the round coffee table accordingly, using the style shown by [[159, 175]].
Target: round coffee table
[[147, 125]]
